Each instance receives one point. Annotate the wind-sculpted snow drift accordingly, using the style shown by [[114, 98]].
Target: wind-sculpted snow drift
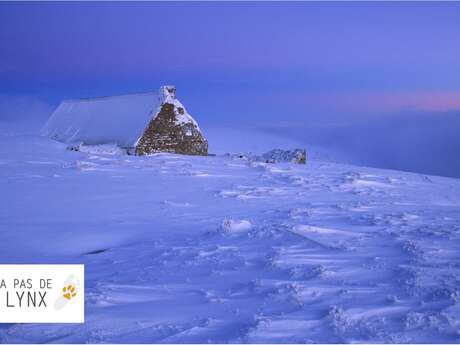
[[186, 249]]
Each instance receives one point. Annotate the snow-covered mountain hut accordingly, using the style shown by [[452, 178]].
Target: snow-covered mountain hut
[[147, 123]]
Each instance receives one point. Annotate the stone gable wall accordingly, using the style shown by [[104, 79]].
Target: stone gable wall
[[163, 134]]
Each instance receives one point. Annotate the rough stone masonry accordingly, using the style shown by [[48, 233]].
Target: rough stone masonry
[[172, 129]]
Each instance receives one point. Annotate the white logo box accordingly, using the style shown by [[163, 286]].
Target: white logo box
[[42, 294]]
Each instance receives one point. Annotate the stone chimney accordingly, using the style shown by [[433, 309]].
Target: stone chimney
[[167, 94]]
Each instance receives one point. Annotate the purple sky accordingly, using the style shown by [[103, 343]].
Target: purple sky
[[369, 57], [288, 64]]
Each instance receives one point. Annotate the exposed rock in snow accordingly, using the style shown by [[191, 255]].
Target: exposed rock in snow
[[236, 226], [298, 156]]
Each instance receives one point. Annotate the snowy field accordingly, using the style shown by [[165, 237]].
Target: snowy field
[[182, 249]]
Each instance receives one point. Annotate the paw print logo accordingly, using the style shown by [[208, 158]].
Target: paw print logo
[[69, 291]]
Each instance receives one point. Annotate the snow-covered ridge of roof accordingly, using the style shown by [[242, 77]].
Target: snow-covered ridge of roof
[[103, 98], [119, 120]]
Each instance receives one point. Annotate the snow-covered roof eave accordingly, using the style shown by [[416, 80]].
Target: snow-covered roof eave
[[119, 120]]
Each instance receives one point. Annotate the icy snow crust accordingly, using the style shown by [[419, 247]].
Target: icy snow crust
[[119, 120], [186, 249]]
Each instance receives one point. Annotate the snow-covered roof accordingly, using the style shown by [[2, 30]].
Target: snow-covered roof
[[119, 120]]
